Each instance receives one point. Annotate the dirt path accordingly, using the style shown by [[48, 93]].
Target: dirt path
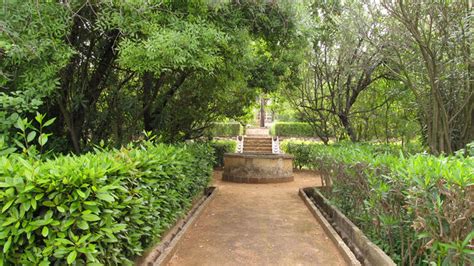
[[258, 224]]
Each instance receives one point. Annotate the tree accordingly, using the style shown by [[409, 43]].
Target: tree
[[171, 67], [431, 53], [344, 61]]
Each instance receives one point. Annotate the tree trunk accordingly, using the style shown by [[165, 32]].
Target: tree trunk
[[262, 111], [147, 92], [346, 123]]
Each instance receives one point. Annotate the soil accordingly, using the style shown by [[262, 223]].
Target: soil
[[258, 224]]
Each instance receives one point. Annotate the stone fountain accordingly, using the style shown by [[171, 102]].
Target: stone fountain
[[258, 160]]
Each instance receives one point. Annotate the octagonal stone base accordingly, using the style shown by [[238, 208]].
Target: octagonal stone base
[[257, 168]]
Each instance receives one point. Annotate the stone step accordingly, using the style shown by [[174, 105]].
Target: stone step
[[257, 138], [258, 149], [263, 152]]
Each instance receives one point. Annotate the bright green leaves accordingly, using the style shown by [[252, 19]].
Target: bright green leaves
[[7, 205], [90, 217], [82, 224], [180, 46], [99, 207], [105, 196], [7, 245], [45, 231], [71, 257]]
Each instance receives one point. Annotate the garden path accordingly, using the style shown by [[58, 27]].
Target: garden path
[[258, 224]]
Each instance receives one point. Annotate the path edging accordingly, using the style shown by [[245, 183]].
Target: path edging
[[349, 257], [164, 251], [367, 252]]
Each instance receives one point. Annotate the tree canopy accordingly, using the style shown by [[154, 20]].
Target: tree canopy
[[362, 70]]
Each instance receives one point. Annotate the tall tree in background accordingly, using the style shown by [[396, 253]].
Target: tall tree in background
[[431, 52], [345, 60]]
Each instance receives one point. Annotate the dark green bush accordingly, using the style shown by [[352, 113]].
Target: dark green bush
[[229, 129], [292, 129], [220, 147], [415, 207], [98, 208], [301, 151]]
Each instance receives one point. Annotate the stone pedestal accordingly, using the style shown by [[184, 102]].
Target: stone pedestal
[[257, 168]]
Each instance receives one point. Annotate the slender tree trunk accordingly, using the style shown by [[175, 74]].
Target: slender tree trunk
[[147, 97], [346, 123], [262, 111]]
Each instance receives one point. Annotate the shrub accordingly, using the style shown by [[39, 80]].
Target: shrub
[[292, 129], [98, 208], [220, 147], [416, 207], [300, 150], [229, 129]]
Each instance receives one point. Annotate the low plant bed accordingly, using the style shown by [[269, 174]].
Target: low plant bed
[[416, 207], [366, 252], [163, 252]]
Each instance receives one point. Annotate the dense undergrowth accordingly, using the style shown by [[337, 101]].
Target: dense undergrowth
[[416, 207], [104, 207]]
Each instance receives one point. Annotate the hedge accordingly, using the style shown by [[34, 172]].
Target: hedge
[[220, 147], [229, 129], [292, 129], [99, 208], [418, 208]]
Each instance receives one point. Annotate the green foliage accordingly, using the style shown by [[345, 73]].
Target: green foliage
[[226, 129], [99, 208], [292, 129], [30, 136], [220, 147], [32, 53], [414, 207]]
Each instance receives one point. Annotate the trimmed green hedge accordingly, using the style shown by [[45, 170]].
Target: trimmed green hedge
[[292, 129], [220, 147], [415, 207], [99, 208], [230, 129]]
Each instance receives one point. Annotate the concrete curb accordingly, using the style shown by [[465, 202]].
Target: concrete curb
[[367, 252], [163, 252], [349, 257]]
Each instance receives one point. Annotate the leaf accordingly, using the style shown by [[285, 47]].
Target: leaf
[[44, 263], [31, 136], [39, 117], [33, 203], [7, 245], [83, 225], [90, 217], [43, 138], [7, 205], [71, 257], [468, 239], [49, 203], [49, 122], [45, 231], [61, 209], [81, 194], [20, 124], [106, 197]]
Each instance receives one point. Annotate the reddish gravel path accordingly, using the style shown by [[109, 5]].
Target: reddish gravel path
[[258, 224]]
